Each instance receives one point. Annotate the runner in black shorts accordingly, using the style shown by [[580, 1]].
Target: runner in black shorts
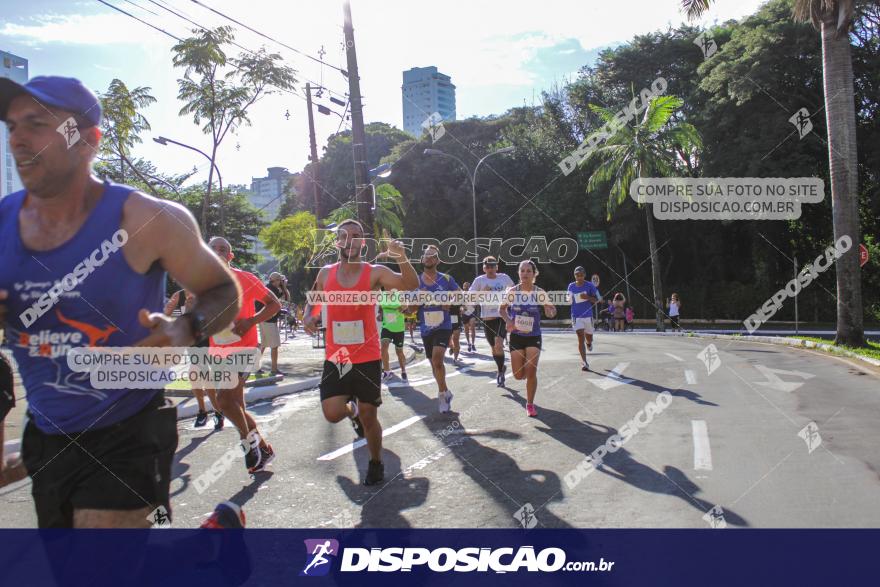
[[468, 322], [455, 338], [522, 316], [434, 322], [116, 472], [493, 325]]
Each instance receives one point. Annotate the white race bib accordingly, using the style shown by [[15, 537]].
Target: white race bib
[[524, 323], [454, 318], [433, 318], [351, 332], [226, 336], [390, 316]]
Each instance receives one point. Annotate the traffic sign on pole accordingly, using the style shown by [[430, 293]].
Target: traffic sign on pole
[[863, 255]]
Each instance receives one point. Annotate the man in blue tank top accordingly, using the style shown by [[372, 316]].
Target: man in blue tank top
[[84, 265]]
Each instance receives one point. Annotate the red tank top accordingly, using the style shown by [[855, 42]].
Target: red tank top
[[351, 330]]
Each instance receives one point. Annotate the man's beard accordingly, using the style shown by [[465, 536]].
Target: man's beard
[[355, 254]]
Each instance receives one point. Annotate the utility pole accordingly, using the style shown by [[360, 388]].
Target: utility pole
[[314, 154], [358, 134]]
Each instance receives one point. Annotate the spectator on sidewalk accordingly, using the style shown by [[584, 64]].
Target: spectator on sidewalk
[[269, 334], [619, 304], [674, 305]]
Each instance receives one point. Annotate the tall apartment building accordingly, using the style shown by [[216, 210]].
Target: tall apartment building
[[267, 193], [426, 91], [16, 69]]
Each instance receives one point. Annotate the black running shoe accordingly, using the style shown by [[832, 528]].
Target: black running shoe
[[356, 420], [252, 456], [375, 473], [585, 367], [501, 376], [403, 376], [201, 419], [218, 420], [267, 455]]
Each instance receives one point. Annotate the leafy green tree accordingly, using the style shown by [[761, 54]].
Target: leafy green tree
[[291, 239], [649, 147], [123, 122], [387, 216], [218, 90], [834, 20]]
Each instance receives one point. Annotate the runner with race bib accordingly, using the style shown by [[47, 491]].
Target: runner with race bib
[[521, 313]]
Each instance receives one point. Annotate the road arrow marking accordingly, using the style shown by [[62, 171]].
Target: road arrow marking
[[774, 382], [613, 379], [702, 452]]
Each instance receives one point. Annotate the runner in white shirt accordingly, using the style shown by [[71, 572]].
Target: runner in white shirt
[[493, 326]]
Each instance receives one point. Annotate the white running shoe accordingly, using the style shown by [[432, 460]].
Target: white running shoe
[[444, 401]]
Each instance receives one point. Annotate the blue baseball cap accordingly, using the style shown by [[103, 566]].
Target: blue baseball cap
[[66, 93]]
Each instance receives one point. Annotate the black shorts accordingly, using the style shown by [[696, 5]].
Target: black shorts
[[439, 338], [124, 466], [394, 337], [518, 342], [466, 318], [494, 328], [361, 380]]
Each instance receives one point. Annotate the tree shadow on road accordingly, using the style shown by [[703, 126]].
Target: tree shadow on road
[[585, 436]]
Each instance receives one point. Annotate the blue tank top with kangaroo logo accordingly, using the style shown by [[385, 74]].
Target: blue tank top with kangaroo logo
[[80, 294]]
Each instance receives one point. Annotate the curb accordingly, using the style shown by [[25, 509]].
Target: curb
[[778, 340]]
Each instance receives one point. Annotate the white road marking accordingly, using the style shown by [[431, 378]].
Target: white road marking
[[702, 452], [613, 379], [363, 441], [677, 358], [690, 376], [775, 382]]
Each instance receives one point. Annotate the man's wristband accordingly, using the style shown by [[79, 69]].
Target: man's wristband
[[197, 324]]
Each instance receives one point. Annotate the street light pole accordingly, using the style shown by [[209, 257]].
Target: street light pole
[[165, 141], [473, 180]]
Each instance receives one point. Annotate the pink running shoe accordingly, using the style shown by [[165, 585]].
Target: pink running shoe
[[531, 411]]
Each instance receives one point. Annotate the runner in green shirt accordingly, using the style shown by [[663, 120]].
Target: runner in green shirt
[[393, 327]]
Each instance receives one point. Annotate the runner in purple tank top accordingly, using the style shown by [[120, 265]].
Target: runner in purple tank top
[[84, 265]]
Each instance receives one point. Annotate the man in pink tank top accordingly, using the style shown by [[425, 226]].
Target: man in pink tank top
[[353, 365]]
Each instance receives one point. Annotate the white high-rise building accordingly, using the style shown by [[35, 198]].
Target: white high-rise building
[[426, 92], [16, 69], [267, 193]]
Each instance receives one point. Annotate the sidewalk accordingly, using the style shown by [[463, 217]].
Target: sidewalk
[[301, 364]]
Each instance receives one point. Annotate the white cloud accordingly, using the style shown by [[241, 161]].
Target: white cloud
[[79, 29]]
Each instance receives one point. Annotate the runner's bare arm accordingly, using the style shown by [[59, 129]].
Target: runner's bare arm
[[406, 280], [166, 232], [549, 309], [172, 303], [309, 320], [502, 310]]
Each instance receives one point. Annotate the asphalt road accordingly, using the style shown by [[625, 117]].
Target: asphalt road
[[730, 448]]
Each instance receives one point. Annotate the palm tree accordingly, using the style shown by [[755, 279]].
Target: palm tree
[[654, 146], [123, 122], [833, 18], [386, 218]]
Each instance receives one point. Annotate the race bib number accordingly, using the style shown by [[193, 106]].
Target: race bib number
[[454, 318], [582, 296], [433, 318], [351, 332], [524, 323], [390, 316], [226, 336]]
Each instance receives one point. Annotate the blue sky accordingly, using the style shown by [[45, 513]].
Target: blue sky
[[499, 54]]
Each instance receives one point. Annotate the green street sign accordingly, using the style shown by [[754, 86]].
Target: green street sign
[[596, 239]]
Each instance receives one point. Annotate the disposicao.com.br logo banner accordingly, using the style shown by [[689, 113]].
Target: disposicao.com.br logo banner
[[474, 559]]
